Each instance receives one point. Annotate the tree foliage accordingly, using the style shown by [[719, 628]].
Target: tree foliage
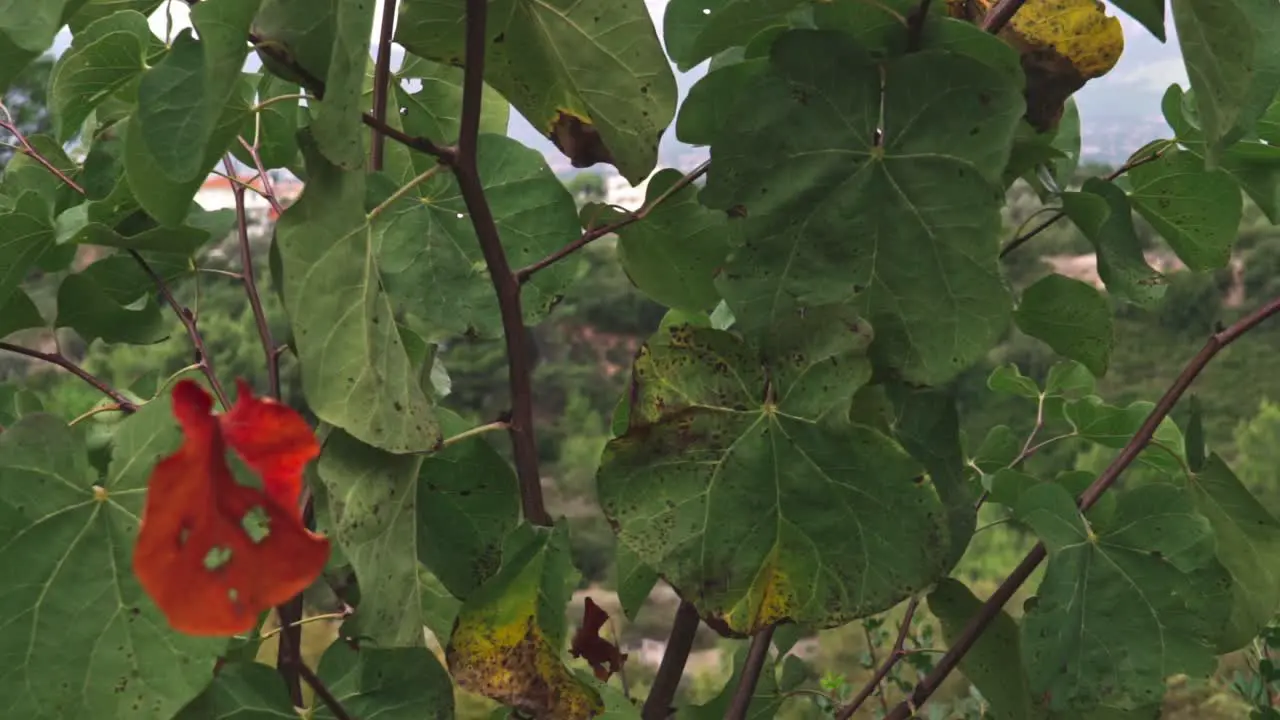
[[788, 455]]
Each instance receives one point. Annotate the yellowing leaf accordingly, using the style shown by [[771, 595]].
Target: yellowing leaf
[[507, 640], [1063, 44]]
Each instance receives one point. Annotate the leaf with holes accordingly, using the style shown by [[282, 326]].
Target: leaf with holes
[[1124, 605], [68, 535], [508, 637], [430, 259], [589, 74], [736, 485], [355, 371], [214, 552], [831, 213]]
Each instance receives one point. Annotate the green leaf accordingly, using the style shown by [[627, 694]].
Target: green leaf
[[1113, 427], [989, 663], [1008, 485], [1148, 12], [242, 691], [695, 30], [590, 74], [1196, 211], [1121, 607], [355, 371], [373, 505], [102, 58], [673, 255], [727, 484], [439, 608], [635, 581], [708, 108], [430, 259], [167, 201], [1069, 380], [509, 635], [76, 227], [26, 237], [831, 214], [336, 122], [18, 313], [1101, 211], [468, 502], [433, 110], [1248, 542], [1009, 380], [31, 26], [95, 303], [1071, 317], [1194, 447], [69, 537], [386, 683], [999, 448]]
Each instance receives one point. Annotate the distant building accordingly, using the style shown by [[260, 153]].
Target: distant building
[[216, 194]]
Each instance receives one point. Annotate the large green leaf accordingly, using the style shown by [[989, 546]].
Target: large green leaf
[[242, 691], [31, 26], [355, 371], [1071, 317], [831, 212], [386, 683], [468, 502], [373, 503], [102, 58], [91, 11], [1102, 212], [81, 640], [728, 484], [1248, 543], [86, 305], [181, 98], [588, 73], [1113, 426], [989, 663], [695, 30], [336, 121], [1123, 606], [434, 109], [430, 258], [509, 635], [1196, 211], [673, 255], [635, 581]]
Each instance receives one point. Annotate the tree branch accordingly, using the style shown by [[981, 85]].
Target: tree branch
[[992, 607], [1000, 15], [915, 25], [381, 83], [756, 656], [65, 363], [593, 234], [505, 283], [895, 655], [251, 287], [658, 706]]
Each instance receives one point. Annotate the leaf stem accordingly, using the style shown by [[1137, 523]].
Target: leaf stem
[[382, 83], [402, 191], [915, 25], [596, 233], [476, 431], [895, 656], [65, 363], [267, 191], [251, 287], [756, 655], [115, 407], [658, 706], [992, 607]]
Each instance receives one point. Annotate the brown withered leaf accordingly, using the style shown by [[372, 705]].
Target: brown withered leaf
[[604, 657]]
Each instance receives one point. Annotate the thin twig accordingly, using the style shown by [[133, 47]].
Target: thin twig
[[290, 648], [1020, 240], [1000, 15], [268, 191], [32, 153], [875, 661], [381, 83], [251, 288], [189, 322], [756, 655], [658, 706], [896, 654], [65, 363], [114, 407], [596, 233], [992, 607], [505, 283]]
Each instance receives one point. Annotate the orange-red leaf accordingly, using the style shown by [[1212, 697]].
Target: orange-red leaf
[[603, 656], [196, 555]]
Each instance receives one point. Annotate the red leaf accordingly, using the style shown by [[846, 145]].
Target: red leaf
[[196, 556], [603, 656]]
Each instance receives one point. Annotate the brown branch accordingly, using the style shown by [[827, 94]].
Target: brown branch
[[915, 25], [756, 655], [1000, 15], [505, 282], [658, 706], [895, 656], [593, 234], [381, 83], [251, 288], [189, 322], [32, 153], [65, 363], [1109, 177], [992, 607], [268, 192]]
